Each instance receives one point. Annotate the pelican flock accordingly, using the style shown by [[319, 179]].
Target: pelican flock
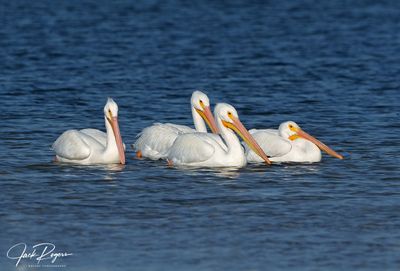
[[181, 145]]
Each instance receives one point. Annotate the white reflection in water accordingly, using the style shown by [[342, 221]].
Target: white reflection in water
[[231, 173]]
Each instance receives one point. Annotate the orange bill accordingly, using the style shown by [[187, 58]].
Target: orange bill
[[208, 117], [238, 127], [320, 145], [118, 139]]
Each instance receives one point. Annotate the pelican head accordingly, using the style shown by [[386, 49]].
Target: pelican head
[[201, 104], [289, 130], [292, 131], [111, 114], [111, 109], [229, 118]]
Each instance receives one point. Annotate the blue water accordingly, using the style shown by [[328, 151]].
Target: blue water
[[332, 67]]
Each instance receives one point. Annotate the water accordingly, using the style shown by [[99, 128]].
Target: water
[[331, 67]]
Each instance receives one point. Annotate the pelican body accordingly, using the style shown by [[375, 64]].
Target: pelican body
[[204, 150], [288, 144], [91, 146], [154, 141]]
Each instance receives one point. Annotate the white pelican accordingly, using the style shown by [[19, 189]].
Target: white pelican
[[288, 144], [91, 146], [203, 150], [154, 141]]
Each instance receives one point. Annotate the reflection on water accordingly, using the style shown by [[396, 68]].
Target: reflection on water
[[112, 167], [227, 172], [231, 173]]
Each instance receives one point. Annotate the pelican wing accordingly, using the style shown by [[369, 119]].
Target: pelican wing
[[217, 138], [192, 148], [182, 129], [98, 135], [271, 131], [71, 145], [154, 141], [272, 144]]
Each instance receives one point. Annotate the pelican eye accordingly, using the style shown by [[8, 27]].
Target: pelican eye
[[201, 103], [290, 126], [230, 114]]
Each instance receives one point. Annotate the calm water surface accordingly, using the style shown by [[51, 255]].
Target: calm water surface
[[333, 68]]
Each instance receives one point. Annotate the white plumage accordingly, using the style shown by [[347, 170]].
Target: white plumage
[[288, 144], [91, 146], [154, 141], [205, 150]]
